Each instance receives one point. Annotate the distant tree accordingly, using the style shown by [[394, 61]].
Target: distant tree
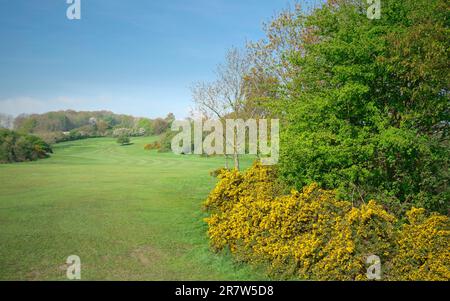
[[123, 140], [160, 126], [92, 121], [25, 123], [102, 127], [170, 118], [147, 125]]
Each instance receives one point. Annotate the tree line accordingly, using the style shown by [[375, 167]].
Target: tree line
[[72, 125]]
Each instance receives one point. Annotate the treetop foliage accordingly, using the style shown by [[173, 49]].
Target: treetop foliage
[[365, 103], [72, 125]]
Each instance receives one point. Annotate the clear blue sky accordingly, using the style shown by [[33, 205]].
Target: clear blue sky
[[129, 56]]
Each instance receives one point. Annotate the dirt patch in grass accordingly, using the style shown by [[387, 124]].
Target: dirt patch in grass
[[148, 255]]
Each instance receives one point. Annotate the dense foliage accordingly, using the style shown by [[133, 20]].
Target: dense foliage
[[71, 125], [16, 147], [366, 102], [423, 248], [313, 235], [364, 105]]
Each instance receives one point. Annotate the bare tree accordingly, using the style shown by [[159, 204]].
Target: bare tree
[[225, 97], [208, 105]]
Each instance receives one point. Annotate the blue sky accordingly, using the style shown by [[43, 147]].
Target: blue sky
[[135, 57]]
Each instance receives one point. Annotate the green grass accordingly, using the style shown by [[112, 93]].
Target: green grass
[[129, 214]]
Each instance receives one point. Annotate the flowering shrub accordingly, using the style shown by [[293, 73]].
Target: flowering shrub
[[423, 248], [216, 172], [226, 193], [152, 146], [360, 233], [312, 235]]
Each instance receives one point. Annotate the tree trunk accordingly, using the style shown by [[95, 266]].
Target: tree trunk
[[226, 162], [236, 160]]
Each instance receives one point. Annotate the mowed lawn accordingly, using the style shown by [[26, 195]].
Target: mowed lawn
[[129, 214]]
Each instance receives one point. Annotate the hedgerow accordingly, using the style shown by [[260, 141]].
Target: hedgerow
[[310, 234]]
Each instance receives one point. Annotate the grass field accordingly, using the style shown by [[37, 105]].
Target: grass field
[[129, 214]]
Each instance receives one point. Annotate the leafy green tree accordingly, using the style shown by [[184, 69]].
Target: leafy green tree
[[368, 110], [147, 125]]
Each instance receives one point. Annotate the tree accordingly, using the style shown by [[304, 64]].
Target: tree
[[102, 127], [170, 118], [160, 126], [367, 110], [147, 125], [123, 140], [225, 97]]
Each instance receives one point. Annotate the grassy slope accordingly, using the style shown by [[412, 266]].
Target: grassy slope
[[129, 214]]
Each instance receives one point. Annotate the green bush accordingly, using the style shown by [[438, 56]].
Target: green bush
[[123, 140], [16, 147]]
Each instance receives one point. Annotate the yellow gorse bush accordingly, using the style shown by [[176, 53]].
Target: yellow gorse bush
[[360, 233], [423, 248], [312, 235]]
